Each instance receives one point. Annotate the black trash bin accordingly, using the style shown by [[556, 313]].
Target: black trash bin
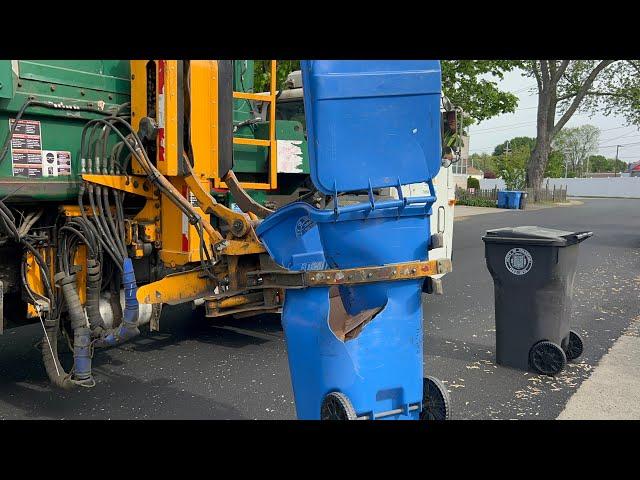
[[533, 270]]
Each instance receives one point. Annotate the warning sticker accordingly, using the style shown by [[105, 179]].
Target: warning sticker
[[56, 163], [28, 157], [26, 148]]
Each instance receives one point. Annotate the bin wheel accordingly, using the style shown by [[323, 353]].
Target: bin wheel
[[336, 406], [435, 400], [547, 358], [575, 346]]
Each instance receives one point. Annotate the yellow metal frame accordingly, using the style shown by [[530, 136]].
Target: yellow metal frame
[[272, 144], [136, 185]]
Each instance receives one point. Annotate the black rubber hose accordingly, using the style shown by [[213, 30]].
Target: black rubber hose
[[70, 292], [97, 221], [92, 305], [57, 376], [119, 200], [93, 228], [119, 241], [43, 266], [90, 246]]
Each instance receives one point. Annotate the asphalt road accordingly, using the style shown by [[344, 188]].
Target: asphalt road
[[237, 369]]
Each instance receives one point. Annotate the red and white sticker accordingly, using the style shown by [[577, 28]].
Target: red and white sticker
[[160, 109], [185, 222]]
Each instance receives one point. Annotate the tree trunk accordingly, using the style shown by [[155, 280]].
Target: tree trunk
[[537, 164]]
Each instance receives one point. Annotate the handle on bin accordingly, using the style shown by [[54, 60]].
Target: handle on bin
[[579, 236]]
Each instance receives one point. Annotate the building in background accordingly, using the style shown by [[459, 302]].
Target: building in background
[[464, 169]]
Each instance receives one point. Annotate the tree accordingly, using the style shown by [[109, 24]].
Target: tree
[[607, 85], [465, 83], [483, 161], [555, 166], [511, 167], [599, 163], [262, 73], [576, 145], [515, 142]]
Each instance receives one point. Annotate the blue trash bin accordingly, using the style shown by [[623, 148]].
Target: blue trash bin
[[362, 345], [509, 199]]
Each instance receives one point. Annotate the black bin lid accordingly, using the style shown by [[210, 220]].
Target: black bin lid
[[534, 235]]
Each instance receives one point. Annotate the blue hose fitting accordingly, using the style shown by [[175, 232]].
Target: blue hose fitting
[[82, 355], [129, 327]]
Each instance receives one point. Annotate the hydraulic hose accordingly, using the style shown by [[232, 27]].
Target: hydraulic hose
[[81, 334], [52, 366], [129, 327], [92, 305], [93, 228]]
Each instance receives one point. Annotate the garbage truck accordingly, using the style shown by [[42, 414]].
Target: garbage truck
[[127, 185], [117, 195]]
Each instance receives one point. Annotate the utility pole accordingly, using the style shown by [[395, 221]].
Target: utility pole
[[615, 166], [506, 148]]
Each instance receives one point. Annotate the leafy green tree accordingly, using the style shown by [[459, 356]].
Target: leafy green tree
[[599, 163], [512, 167], [515, 142], [262, 73], [566, 86], [576, 145], [464, 82], [483, 161], [555, 166]]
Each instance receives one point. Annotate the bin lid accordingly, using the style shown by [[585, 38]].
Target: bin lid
[[373, 123], [534, 235]]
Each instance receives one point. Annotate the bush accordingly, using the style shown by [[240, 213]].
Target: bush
[[473, 182], [489, 174], [476, 202]]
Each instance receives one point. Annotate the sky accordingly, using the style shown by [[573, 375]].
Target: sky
[[486, 135]]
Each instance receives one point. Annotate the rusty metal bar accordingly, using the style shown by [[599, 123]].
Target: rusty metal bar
[[351, 276]]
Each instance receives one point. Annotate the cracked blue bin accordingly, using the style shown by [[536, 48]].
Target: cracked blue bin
[[355, 351]]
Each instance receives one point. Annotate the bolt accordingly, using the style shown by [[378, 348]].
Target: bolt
[[135, 184], [133, 77], [82, 93], [369, 275], [237, 225], [413, 270], [156, 205], [53, 88], [395, 272], [110, 97], [19, 84]]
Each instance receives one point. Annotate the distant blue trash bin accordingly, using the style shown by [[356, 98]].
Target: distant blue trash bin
[[509, 199]]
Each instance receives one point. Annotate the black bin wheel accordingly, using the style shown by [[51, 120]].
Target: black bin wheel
[[336, 406], [435, 400], [547, 358], [575, 346]]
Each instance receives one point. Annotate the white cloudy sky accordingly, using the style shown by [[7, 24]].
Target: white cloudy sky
[[486, 135]]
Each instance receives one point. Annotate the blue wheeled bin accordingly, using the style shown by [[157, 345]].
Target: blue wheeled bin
[[509, 199], [355, 350]]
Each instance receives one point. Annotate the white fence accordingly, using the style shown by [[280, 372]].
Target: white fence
[[626, 187]]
